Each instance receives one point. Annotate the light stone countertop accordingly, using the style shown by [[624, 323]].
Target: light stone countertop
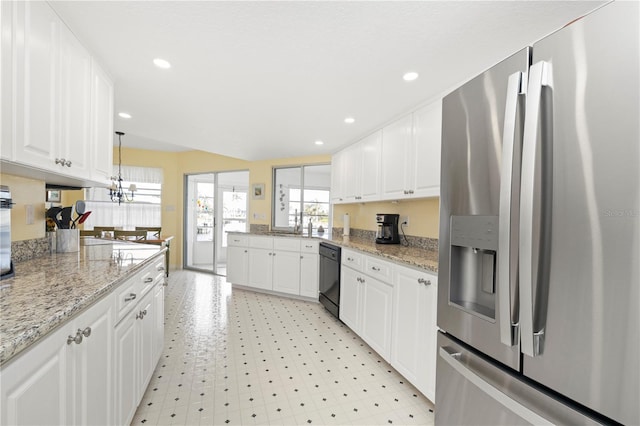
[[403, 255], [48, 291]]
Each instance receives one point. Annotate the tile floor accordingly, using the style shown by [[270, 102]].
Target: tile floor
[[237, 357]]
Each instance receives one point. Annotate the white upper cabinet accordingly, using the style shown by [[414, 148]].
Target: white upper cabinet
[[37, 32], [397, 145], [57, 105], [427, 132], [101, 124], [75, 102], [400, 161]]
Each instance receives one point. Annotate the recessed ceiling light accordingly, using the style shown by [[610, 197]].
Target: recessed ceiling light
[[349, 120], [161, 63], [410, 76], [124, 115], [319, 143]]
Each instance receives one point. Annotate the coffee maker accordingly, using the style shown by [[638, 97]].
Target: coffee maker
[[387, 229]]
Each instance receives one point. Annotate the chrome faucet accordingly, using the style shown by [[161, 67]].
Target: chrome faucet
[[297, 228]]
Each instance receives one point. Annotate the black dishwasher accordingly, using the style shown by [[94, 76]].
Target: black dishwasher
[[330, 278]]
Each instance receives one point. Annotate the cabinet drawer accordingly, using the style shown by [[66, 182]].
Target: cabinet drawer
[[309, 246], [352, 259], [238, 240], [126, 298], [286, 244], [378, 268], [261, 242]]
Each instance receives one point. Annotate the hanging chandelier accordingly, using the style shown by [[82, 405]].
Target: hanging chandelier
[[116, 192]]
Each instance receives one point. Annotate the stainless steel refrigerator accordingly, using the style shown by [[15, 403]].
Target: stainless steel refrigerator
[[538, 298]]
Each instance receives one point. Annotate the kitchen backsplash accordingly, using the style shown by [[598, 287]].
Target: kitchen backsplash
[[255, 228], [29, 249], [413, 241]]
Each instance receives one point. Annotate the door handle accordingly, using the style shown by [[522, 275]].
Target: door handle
[[535, 203], [457, 361], [508, 219]]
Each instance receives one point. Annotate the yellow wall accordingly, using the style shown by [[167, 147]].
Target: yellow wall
[[25, 192], [423, 215]]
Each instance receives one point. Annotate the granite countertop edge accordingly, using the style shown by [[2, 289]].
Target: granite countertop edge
[[405, 256], [13, 344]]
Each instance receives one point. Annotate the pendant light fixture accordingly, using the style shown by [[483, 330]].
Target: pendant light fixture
[[115, 191]]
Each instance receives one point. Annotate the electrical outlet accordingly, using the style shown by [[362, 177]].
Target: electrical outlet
[[404, 220]]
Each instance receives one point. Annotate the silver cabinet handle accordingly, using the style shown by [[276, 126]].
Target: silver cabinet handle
[[131, 297], [86, 332], [270, 254], [375, 268], [246, 251], [141, 314], [67, 163], [58, 161], [308, 246], [160, 268], [148, 280], [350, 259], [77, 339], [423, 281], [274, 254], [509, 175], [301, 257]]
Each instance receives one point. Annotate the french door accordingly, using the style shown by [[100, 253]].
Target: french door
[[215, 204]]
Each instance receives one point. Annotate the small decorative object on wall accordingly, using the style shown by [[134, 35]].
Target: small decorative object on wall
[[257, 191], [53, 196]]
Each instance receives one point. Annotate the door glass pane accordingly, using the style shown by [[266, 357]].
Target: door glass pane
[[204, 211]]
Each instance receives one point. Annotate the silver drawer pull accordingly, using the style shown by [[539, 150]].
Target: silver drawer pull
[[86, 332], [423, 281], [375, 268], [308, 246], [77, 339], [350, 259], [148, 280], [160, 268], [131, 297]]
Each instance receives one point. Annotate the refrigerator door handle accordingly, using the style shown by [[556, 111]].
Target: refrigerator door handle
[[530, 240], [509, 203], [457, 362]]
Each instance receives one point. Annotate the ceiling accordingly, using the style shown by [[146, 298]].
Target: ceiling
[[265, 79]]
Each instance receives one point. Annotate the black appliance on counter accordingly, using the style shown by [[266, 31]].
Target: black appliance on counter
[[388, 232], [330, 278]]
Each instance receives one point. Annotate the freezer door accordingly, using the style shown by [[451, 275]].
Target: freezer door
[[581, 338], [470, 254], [474, 391]]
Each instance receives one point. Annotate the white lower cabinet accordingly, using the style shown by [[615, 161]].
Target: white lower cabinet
[[414, 328], [284, 265], [366, 306], [94, 369], [66, 378], [393, 309]]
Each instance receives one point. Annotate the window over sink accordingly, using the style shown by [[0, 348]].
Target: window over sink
[[300, 194]]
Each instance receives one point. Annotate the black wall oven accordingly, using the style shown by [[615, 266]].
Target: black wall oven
[[330, 278]]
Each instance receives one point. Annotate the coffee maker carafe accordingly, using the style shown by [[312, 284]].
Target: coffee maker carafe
[[387, 229]]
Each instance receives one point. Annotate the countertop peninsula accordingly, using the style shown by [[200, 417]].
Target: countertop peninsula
[[48, 291]]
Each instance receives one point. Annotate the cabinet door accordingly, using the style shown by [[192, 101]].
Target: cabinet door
[[37, 85], [36, 386], [427, 130], [309, 275], [158, 318], [352, 168], [337, 177], [6, 80], [286, 271], [126, 369], [237, 265], [101, 124], [371, 161], [350, 298], [261, 268], [93, 365], [414, 328], [146, 333], [396, 142], [377, 310], [75, 103]]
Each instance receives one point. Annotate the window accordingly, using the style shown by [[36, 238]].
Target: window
[[301, 190], [143, 210]]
